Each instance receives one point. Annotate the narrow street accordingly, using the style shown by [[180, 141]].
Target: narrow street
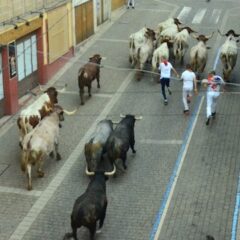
[[183, 181]]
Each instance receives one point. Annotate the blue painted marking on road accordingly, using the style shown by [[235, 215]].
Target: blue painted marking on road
[[175, 170], [236, 213], [216, 60]]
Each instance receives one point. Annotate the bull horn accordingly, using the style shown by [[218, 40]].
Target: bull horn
[[138, 118], [122, 116], [189, 30], [220, 33], [69, 112], [115, 122], [104, 58], [63, 89], [112, 172], [41, 88], [89, 173], [176, 21], [194, 36], [209, 36]]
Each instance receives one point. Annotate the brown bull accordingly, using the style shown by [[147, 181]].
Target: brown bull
[[87, 74], [31, 116]]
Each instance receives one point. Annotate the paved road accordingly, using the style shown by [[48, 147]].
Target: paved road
[[181, 184]]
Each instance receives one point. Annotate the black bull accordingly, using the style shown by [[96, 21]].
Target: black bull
[[95, 147], [90, 207], [121, 139]]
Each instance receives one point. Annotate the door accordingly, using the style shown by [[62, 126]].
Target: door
[[84, 26], [105, 10]]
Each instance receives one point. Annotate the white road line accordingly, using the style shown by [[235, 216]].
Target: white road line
[[39, 205], [152, 10], [215, 15], [160, 142], [103, 95], [183, 14], [112, 40], [20, 191], [199, 16], [156, 237]]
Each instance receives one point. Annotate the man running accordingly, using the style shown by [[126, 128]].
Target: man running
[[165, 68], [213, 92], [189, 79]]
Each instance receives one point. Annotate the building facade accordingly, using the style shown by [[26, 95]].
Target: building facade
[[30, 50]]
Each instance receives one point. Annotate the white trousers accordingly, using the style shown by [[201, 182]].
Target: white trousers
[[131, 1], [211, 102], [186, 92]]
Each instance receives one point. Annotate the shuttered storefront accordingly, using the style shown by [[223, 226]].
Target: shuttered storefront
[[26, 52], [117, 4], [84, 24], [103, 11]]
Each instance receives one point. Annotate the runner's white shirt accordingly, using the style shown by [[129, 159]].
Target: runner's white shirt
[[188, 78], [165, 71]]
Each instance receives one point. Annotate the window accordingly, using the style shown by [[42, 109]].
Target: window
[[26, 57], [1, 79]]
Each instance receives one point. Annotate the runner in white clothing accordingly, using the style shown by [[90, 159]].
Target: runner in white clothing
[[189, 79], [130, 3], [165, 69], [213, 92]]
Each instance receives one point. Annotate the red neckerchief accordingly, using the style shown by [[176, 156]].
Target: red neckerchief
[[211, 83], [165, 62]]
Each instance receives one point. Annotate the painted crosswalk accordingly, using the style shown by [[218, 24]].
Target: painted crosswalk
[[197, 16]]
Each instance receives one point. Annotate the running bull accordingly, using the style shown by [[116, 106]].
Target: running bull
[[121, 139], [94, 148], [91, 206]]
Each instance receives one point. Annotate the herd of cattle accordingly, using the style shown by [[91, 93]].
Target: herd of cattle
[[39, 123], [149, 45], [39, 127]]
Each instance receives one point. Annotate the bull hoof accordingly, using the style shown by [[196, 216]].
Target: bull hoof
[[98, 86], [40, 174], [58, 157], [51, 154], [20, 145], [67, 236], [134, 151], [125, 167], [82, 103], [29, 188]]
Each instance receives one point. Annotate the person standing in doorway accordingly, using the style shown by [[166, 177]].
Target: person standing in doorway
[[165, 68], [213, 92], [189, 81], [131, 3]]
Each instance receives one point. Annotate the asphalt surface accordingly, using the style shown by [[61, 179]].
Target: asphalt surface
[[183, 181]]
